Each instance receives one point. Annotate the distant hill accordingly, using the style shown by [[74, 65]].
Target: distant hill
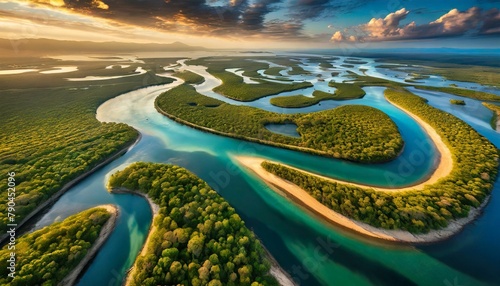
[[50, 47]]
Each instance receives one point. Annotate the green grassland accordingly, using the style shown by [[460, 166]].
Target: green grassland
[[357, 133], [47, 256], [468, 185], [496, 113], [199, 239], [50, 135]]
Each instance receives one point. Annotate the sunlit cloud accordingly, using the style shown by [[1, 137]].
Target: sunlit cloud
[[455, 23], [312, 23]]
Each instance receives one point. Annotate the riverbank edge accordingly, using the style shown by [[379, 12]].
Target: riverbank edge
[[106, 231], [301, 197], [276, 271], [52, 199], [265, 142], [154, 210], [495, 119]]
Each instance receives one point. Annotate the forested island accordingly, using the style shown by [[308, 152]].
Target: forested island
[[48, 255], [357, 133], [197, 238], [418, 211]]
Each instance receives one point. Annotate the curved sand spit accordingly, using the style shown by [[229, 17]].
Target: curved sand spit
[[300, 196]]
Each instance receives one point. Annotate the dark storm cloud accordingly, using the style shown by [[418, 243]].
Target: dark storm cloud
[[254, 14], [491, 22], [311, 9], [212, 16]]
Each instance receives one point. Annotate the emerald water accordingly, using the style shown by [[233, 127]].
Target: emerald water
[[312, 251]]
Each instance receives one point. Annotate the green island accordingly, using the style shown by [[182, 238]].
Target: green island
[[298, 101], [197, 237], [344, 91], [417, 211], [189, 77], [355, 62], [347, 66], [323, 63], [56, 139], [496, 114], [475, 94], [48, 255], [457, 102], [274, 71], [354, 132], [233, 86], [485, 75], [480, 72]]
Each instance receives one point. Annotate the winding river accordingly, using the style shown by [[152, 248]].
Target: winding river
[[313, 252]]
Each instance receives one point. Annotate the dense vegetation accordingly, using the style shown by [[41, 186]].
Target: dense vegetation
[[457, 102], [47, 256], [189, 77], [50, 135], [470, 182], [496, 113], [198, 239], [298, 101], [343, 91], [479, 95], [357, 133]]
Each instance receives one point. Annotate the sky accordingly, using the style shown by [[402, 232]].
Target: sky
[[360, 24]]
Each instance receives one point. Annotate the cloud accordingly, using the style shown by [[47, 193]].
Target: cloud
[[455, 23], [100, 4], [337, 37], [312, 9], [491, 22], [387, 27]]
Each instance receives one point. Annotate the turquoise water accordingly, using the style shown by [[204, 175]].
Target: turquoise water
[[313, 252]]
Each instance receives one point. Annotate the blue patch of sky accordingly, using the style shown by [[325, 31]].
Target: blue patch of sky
[[422, 12]]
